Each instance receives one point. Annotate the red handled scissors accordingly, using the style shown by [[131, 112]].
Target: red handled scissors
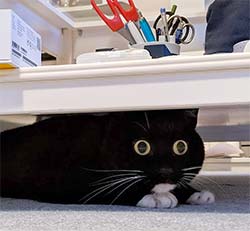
[[116, 24]]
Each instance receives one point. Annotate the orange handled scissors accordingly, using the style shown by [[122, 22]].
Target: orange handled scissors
[[116, 24]]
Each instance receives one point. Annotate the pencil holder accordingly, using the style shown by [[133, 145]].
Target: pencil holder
[[159, 49]]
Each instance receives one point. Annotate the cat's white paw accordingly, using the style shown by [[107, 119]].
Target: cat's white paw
[[158, 200], [147, 201], [201, 198]]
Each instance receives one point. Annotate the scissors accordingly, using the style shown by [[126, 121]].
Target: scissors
[[180, 26], [116, 24]]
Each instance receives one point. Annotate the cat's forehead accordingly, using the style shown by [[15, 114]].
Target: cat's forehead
[[165, 121], [157, 129]]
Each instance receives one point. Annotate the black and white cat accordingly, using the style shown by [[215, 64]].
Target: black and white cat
[[144, 158]]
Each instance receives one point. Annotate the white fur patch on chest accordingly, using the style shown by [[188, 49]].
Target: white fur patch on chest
[[201, 198], [163, 188]]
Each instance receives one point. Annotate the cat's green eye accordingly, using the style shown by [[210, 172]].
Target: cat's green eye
[[180, 147], [142, 147]]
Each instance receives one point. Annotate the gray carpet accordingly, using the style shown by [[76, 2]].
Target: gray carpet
[[230, 212]]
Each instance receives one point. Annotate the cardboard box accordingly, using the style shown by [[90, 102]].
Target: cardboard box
[[20, 45]]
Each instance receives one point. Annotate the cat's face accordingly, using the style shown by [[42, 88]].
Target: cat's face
[[163, 145]]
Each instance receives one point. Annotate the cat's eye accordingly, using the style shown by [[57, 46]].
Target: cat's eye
[[142, 147], [180, 147]]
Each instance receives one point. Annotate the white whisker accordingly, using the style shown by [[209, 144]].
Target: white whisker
[[187, 169], [113, 176], [182, 183], [140, 125], [125, 190], [212, 181], [189, 174], [108, 182], [146, 116], [100, 170], [197, 182], [188, 178], [134, 178], [100, 190]]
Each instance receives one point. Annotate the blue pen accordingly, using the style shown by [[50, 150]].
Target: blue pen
[[146, 28]]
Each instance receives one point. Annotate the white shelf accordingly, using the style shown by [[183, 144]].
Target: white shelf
[[29, 8], [208, 82], [236, 165], [75, 17], [46, 20]]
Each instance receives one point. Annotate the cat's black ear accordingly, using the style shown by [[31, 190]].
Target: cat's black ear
[[191, 117]]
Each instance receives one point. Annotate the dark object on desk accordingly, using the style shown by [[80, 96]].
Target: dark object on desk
[[158, 51], [104, 49], [228, 23]]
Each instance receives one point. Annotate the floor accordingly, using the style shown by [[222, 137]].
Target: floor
[[230, 212]]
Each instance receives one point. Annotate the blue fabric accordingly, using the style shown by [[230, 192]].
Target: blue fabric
[[228, 23]]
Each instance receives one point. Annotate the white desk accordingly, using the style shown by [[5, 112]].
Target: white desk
[[218, 84]]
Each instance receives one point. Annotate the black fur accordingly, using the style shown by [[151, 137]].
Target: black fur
[[57, 160]]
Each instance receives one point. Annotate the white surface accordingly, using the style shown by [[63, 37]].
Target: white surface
[[42, 20], [208, 82], [243, 46], [111, 56], [48, 21], [223, 149], [5, 34], [232, 166], [16, 31], [192, 6], [230, 212]]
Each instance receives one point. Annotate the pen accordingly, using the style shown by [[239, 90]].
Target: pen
[[135, 32], [165, 24], [146, 29]]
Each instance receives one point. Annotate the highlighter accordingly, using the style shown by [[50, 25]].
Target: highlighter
[[146, 30]]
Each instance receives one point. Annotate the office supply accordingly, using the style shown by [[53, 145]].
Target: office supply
[[159, 49], [158, 33], [179, 25], [168, 13], [171, 13], [146, 28], [173, 10], [116, 24], [133, 29], [165, 25], [20, 45]]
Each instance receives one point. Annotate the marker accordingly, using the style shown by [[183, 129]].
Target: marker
[[173, 10], [165, 24]]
